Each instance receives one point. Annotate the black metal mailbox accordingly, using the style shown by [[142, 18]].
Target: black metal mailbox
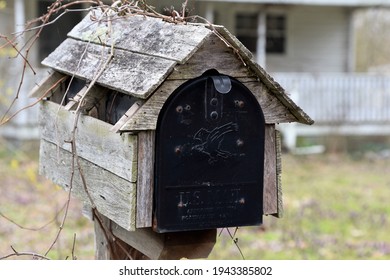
[[209, 156]]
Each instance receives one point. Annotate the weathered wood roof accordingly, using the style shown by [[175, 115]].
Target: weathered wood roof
[[146, 51]]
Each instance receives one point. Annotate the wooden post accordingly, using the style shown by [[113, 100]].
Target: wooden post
[[145, 244]]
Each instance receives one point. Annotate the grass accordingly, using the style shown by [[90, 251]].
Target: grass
[[33, 202], [336, 207]]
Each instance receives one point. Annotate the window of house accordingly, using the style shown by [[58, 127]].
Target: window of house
[[246, 32], [276, 34], [54, 34]]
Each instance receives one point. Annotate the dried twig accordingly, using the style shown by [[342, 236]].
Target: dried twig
[[31, 228], [20, 254], [119, 8], [73, 247], [235, 240]]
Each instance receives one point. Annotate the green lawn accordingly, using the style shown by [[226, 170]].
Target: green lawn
[[335, 208]]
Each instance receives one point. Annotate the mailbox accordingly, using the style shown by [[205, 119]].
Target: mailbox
[[161, 146], [209, 156]]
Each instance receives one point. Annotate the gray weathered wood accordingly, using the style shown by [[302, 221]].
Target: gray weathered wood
[[146, 35], [94, 140], [48, 85], [270, 195], [274, 88], [146, 117], [274, 111], [130, 73], [109, 247], [145, 240], [280, 212], [145, 178], [102, 245], [127, 116], [213, 54], [168, 246], [113, 196]]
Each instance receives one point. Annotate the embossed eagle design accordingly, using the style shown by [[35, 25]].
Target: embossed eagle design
[[211, 141]]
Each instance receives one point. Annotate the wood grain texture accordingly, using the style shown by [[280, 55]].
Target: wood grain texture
[[213, 54], [113, 196], [146, 117], [145, 35], [47, 85], [102, 245], [130, 73], [168, 246], [94, 140], [144, 240], [270, 195], [112, 249], [275, 89], [145, 182], [280, 212], [274, 111]]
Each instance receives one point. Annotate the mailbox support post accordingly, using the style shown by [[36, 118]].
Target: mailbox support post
[[144, 244]]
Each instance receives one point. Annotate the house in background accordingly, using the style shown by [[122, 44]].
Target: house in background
[[13, 16], [307, 45]]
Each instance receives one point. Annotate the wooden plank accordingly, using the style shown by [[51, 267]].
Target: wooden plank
[[274, 111], [102, 245], [130, 73], [280, 212], [270, 195], [146, 117], [71, 105], [127, 116], [113, 196], [145, 178], [274, 88], [145, 240], [146, 35], [94, 140], [168, 246], [48, 85], [213, 54], [112, 249]]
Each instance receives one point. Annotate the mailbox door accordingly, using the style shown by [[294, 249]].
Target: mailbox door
[[209, 157]]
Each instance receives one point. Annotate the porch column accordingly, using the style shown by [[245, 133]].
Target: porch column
[[261, 39], [19, 22], [351, 61], [209, 15]]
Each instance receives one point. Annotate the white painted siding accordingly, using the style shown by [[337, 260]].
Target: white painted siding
[[317, 36], [317, 41]]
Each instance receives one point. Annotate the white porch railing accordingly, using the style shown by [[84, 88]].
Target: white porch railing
[[339, 103]]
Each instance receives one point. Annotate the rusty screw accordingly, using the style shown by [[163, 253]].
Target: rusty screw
[[239, 103], [239, 143], [242, 201], [178, 150], [179, 109]]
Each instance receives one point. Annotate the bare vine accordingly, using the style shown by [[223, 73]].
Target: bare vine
[[120, 8]]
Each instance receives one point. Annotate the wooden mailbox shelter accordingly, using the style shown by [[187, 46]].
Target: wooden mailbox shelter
[[118, 72]]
